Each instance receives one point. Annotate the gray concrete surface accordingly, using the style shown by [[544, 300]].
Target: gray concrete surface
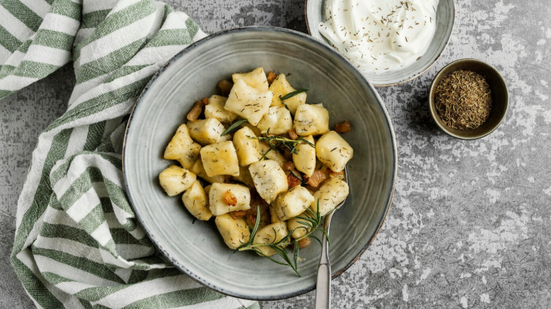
[[470, 223]]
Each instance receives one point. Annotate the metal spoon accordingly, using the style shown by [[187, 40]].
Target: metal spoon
[[323, 285]]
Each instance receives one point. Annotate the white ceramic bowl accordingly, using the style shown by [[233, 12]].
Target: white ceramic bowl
[[445, 17], [197, 248]]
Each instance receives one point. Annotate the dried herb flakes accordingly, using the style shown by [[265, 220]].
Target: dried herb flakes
[[463, 100]]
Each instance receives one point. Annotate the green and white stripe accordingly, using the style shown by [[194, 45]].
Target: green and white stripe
[[78, 243]]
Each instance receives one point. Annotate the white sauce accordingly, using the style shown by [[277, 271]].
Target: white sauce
[[380, 35]]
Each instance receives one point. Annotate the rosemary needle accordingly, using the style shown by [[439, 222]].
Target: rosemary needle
[[276, 141], [234, 126], [292, 94]]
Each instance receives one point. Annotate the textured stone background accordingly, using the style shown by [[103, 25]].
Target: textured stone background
[[470, 223]]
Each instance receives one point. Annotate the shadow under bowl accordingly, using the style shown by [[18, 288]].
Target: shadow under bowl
[[500, 98]]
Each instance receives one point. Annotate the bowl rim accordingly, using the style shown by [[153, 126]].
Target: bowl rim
[[434, 113], [403, 81], [186, 50]]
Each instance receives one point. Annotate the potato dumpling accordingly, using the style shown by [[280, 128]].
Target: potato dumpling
[[299, 229], [253, 128], [225, 197], [273, 155], [270, 234], [292, 203], [281, 87], [269, 179], [196, 201], [235, 232], [305, 158], [256, 79], [199, 170], [273, 214], [248, 102], [330, 194], [215, 109], [247, 147], [333, 151], [220, 159], [182, 148], [311, 119], [277, 119], [239, 165], [206, 131], [176, 180], [244, 177]]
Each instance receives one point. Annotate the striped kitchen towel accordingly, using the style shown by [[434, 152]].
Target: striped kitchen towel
[[78, 244]]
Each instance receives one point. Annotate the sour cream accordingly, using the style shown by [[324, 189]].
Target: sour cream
[[380, 35]]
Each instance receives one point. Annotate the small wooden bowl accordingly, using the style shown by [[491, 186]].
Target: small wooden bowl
[[500, 98]]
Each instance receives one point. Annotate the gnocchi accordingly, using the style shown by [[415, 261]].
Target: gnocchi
[[199, 170], [206, 131], [196, 201], [176, 180], [333, 151], [293, 203], [215, 109], [272, 233], [269, 179], [235, 232], [246, 146], [256, 79], [261, 159], [182, 148], [311, 119], [218, 198], [305, 157], [281, 87], [278, 120], [248, 102], [330, 194], [220, 159]]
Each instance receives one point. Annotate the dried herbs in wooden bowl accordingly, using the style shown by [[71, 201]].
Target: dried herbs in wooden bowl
[[468, 99]]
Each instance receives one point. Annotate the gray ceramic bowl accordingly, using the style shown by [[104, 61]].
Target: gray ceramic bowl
[[500, 98], [445, 17], [196, 248]]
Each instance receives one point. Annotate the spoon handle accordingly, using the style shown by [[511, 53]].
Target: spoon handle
[[323, 285]]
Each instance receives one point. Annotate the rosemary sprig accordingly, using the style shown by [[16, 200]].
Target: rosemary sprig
[[276, 141], [312, 220], [296, 175], [292, 94], [234, 126], [311, 223]]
